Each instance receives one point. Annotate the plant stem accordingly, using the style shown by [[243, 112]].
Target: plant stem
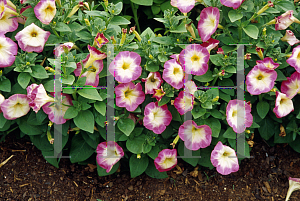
[[135, 17], [11, 130], [214, 81]]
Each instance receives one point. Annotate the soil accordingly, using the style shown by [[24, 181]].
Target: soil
[[27, 176]]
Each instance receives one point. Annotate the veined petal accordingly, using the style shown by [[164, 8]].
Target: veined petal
[[8, 23], [291, 86], [8, 50], [2, 99], [184, 6], [268, 63], [290, 38], [152, 82], [45, 11], [15, 106], [208, 23], [294, 60], [184, 102], [232, 3], [284, 20], [283, 105], [190, 87], [294, 184], [38, 96], [101, 40], [166, 160], [173, 73], [210, 44]]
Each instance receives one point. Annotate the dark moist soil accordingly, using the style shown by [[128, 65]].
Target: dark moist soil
[[27, 176]]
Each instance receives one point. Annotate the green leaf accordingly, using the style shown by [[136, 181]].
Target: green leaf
[[5, 85], [84, 35], [30, 129], [2, 120], [164, 100], [138, 165], [285, 5], [136, 145], [280, 76], [85, 121], [266, 128], [62, 27], [262, 108], [251, 30], [90, 93], [102, 172], [39, 72], [216, 59], [92, 139], [193, 160], [143, 2], [71, 113], [151, 171], [205, 158], [216, 114], [234, 15], [152, 67], [229, 133], [198, 111], [80, 150], [175, 113], [207, 77], [119, 20], [118, 8], [97, 13], [126, 126], [295, 144], [53, 161], [154, 152], [100, 107], [68, 79], [164, 40], [24, 79]]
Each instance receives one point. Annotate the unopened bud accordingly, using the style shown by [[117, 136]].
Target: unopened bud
[[247, 56], [138, 156], [87, 22], [190, 29]]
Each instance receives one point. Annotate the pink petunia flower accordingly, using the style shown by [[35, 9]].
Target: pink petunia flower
[[260, 80], [66, 47], [232, 3], [208, 23], [220, 51], [2, 99], [7, 7], [291, 86], [100, 40], [294, 60], [57, 111], [290, 38], [32, 38], [294, 184], [152, 82], [173, 74], [15, 106], [45, 11], [283, 105], [129, 95], [94, 55], [224, 159], [126, 67], [158, 93], [268, 63], [8, 21], [210, 44], [8, 50], [166, 160], [38, 96], [285, 20], [184, 102], [156, 118], [190, 87], [238, 115], [184, 6], [194, 136], [108, 154]]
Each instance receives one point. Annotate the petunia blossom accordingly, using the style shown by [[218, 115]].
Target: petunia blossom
[[94, 55], [232, 3], [190, 87], [15, 106], [8, 21], [38, 96], [283, 105], [173, 74], [184, 102], [294, 185], [166, 160], [260, 80], [208, 23], [294, 60], [2, 99], [194, 136], [100, 40], [210, 44], [268, 63], [238, 115], [285, 20], [156, 118], [57, 111], [108, 154], [8, 50], [194, 59], [184, 6], [6, 7], [126, 67], [66, 47], [45, 11], [291, 86], [224, 159], [152, 82], [32, 38], [158, 93], [129, 95], [290, 38]]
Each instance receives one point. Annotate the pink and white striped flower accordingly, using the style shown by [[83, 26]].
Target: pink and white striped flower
[[238, 115], [7, 7], [100, 40], [94, 55], [57, 111], [291, 86], [129, 95], [15, 106], [232, 3], [224, 159], [208, 23], [184, 6], [194, 59], [108, 154], [2, 99], [294, 60], [32, 38], [260, 80], [156, 118], [8, 21], [283, 105], [126, 66], [152, 82], [210, 44], [38, 96], [285, 20], [290, 38], [8, 50], [294, 184], [194, 136], [66, 47], [173, 74], [158, 93], [45, 11], [268, 63], [92, 75], [190, 87], [184, 102], [166, 160]]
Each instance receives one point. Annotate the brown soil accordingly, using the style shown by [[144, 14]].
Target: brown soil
[[27, 176]]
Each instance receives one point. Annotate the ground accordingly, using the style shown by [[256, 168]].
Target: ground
[[27, 176]]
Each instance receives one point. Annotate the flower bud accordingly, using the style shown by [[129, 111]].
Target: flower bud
[[87, 22], [73, 11], [190, 29]]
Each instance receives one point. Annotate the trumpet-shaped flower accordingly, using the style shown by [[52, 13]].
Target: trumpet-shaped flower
[[126, 67], [283, 105], [8, 50], [129, 95], [294, 60], [57, 111], [38, 96], [224, 159], [210, 44], [260, 80], [94, 55], [2, 99], [291, 86], [184, 102], [290, 38], [208, 23], [166, 160], [100, 40], [285, 20], [32, 38], [232, 3], [173, 74], [45, 11], [238, 115], [194, 136], [184, 6], [15, 106], [156, 118], [8, 21], [158, 93], [66, 47], [6, 7], [92, 75], [190, 87], [108, 154], [152, 82], [194, 59], [294, 184], [268, 63]]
